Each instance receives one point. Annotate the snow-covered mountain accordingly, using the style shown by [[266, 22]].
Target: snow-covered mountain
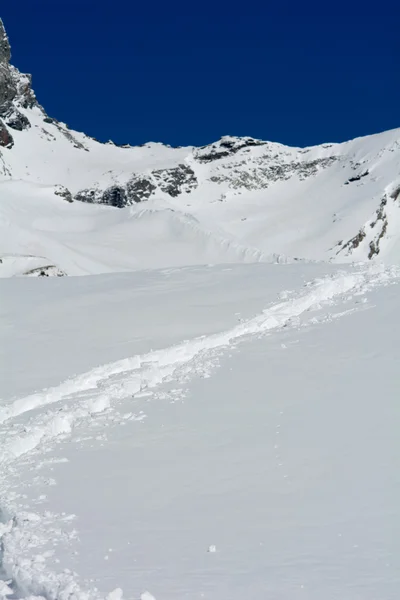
[[239, 199], [203, 431]]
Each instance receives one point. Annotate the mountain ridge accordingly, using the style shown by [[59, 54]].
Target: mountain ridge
[[335, 202]]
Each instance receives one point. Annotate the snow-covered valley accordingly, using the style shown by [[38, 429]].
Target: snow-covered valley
[[198, 365], [71, 205]]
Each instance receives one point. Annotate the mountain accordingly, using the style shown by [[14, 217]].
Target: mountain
[[238, 199], [173, 423]]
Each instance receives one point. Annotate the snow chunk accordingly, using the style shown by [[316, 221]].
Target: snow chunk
[[116, 594], [146, 596]]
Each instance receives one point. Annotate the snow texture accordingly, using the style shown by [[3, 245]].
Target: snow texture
[[210, 410]]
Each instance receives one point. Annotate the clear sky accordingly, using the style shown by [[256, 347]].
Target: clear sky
[[187, 72]]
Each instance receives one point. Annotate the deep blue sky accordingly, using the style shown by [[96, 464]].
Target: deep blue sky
[[186, 72]]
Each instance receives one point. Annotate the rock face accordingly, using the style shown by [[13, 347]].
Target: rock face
[[6, 139], [225, 147], [177, 180], [15, 92], [8, 88], [140, 188], [18, 121], [64, 193]]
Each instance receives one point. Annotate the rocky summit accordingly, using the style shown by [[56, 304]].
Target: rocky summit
[[7, 86]]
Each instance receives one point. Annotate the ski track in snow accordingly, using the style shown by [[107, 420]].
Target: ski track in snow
[[77, 400]]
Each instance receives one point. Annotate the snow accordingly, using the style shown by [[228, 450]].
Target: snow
[[196, 399], [266, 202], [240, 449]]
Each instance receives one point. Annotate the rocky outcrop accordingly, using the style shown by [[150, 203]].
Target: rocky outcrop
[[357, 177], [8, 89], [6, 139], [261, 172], [15, 89], [17, 121], [225, 147], [175, 181], [140, 188], [378, 228], [353, 243], [92, 196], [46, 271], [114, 196], [64, 193], [66, 133]]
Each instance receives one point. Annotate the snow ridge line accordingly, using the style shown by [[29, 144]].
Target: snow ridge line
[[132, 375]]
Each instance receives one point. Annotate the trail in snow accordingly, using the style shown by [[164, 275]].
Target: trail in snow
[[132, 375], [283, 454], [25, 427]]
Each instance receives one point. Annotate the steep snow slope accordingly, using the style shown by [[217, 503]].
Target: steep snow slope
[[237, 199]]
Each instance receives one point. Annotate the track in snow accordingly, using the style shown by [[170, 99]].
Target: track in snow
[[26, 427]]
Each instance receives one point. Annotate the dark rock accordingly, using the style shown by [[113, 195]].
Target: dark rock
[[114, 196], [356, 177], [8, 89], [6, 139], [5, 50], [15, 87], [380, 213], [259, 174], [63, 192], [224, 148], [90, 196], [210, 156], [354, 242], [47, 271], [66, 133], [176, 180], [396, 193], [374, 246], [18, 121], [139, 189], [26, 97]]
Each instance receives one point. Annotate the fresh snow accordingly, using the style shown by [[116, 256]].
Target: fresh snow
[[267, 202], [273, 475], [199, 389]]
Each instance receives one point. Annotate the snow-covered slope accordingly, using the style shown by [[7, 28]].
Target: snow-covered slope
[[174, 424], [129, 459], [237, 199]]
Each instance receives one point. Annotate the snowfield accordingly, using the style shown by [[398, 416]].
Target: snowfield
[[265, 203], [199, 365], [258, 459]]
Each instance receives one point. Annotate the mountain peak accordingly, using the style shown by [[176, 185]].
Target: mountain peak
[[5, 49], [7, 84], [15, 93]]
